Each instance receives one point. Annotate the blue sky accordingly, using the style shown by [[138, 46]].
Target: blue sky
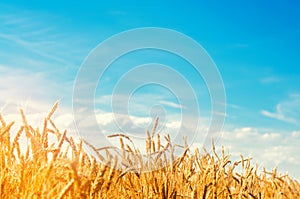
[[255, 46]]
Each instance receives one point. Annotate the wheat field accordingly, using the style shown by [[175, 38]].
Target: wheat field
[[48, 170]]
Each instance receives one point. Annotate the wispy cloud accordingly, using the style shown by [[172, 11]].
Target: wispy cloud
[[35, 38], [172, 104], [229, 105], [287, 111], [279, 115], [140, 104], [37, 47], [270, 80]]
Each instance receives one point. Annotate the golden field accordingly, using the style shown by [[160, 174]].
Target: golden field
[[48, 170]]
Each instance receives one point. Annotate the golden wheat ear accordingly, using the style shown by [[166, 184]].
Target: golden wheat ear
[[3, 123], [25, 173], [54, 108]]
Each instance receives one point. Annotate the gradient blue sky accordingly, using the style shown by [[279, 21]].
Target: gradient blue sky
[[255, 45]]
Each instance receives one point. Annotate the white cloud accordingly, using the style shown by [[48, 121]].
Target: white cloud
[[280, 154], [252, 134], [21, 88], [173, 124], [64, 121], [271, 136], [266, 146], [296, 134], [144, 104], [104, 118]]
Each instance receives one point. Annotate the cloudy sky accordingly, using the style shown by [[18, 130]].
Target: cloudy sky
[[255, 47]]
